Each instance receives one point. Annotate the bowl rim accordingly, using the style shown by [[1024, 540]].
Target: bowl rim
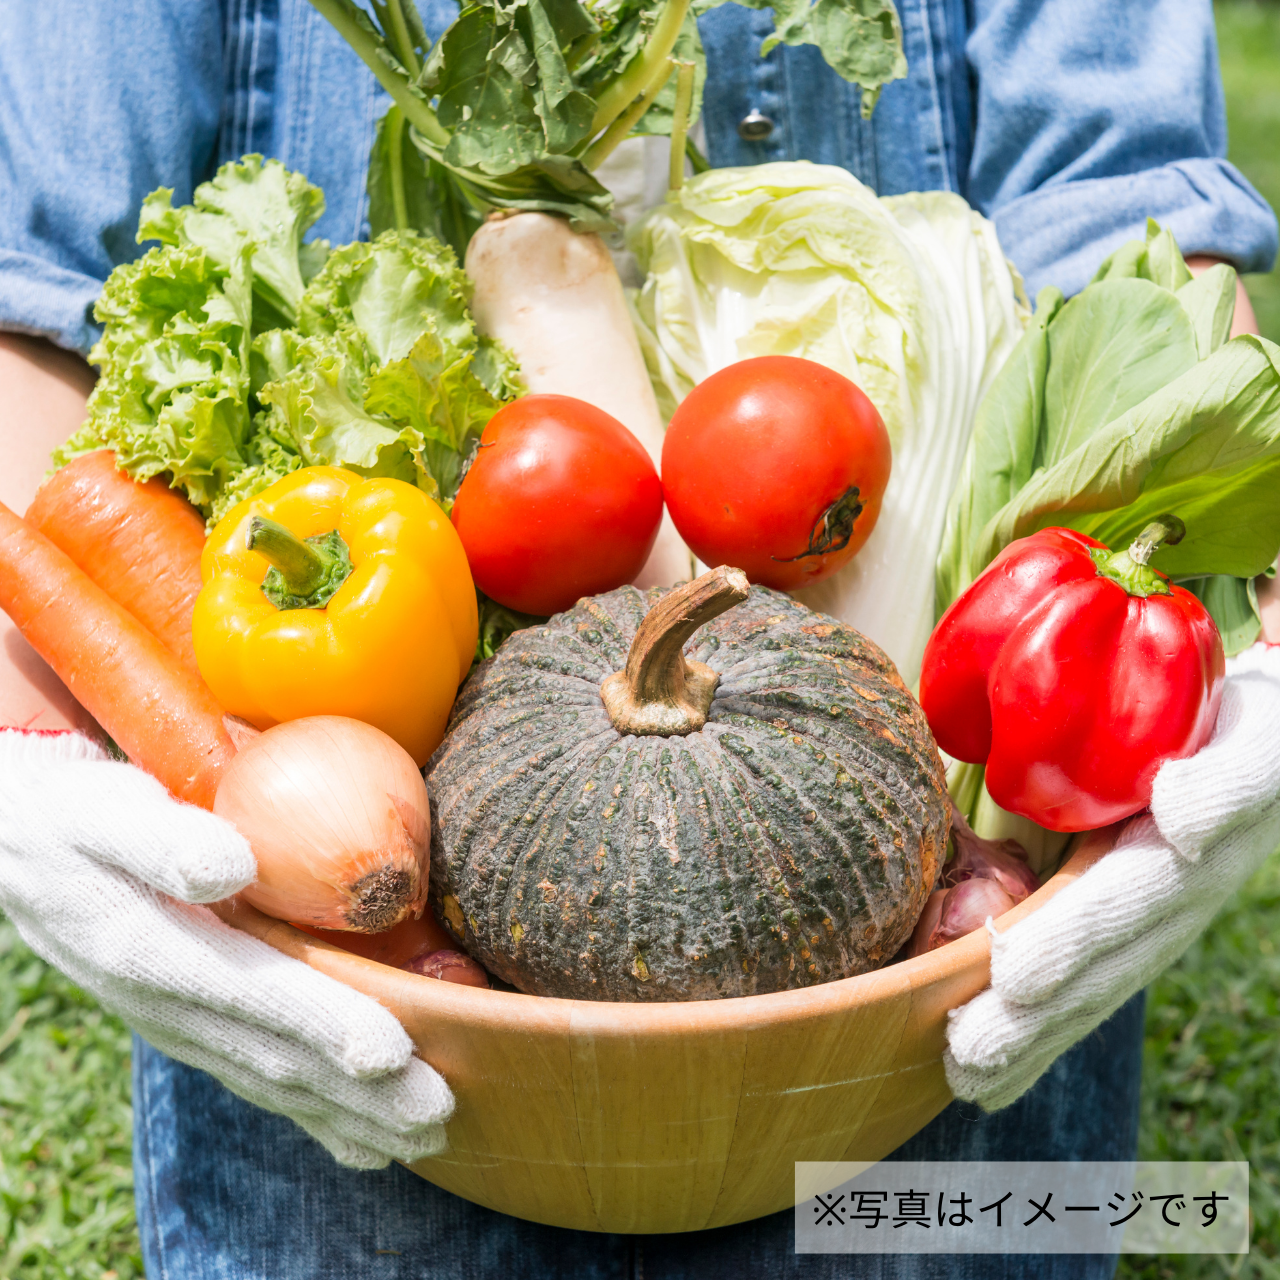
[[967, 957]]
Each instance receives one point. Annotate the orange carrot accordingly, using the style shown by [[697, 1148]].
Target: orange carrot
[[140, 543], [162, 716]]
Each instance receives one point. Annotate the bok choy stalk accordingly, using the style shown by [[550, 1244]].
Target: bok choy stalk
[[910, 297]]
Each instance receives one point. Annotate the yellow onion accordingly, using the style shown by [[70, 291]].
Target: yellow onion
[[336, 814]]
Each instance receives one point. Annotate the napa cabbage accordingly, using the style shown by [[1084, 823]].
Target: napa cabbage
[[909, 296]]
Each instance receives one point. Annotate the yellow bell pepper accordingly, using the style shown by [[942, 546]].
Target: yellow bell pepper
[[356, 600]]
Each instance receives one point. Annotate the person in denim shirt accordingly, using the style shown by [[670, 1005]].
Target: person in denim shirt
[[1068, 122]]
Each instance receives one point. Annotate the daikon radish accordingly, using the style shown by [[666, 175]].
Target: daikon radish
[[553, 297]]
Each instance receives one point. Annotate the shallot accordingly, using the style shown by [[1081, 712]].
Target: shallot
[[417, 944], [398, 946], [982, 878], [1004, 861], [960, 911]]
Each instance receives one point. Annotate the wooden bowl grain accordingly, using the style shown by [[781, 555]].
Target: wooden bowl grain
[[675, 1117]]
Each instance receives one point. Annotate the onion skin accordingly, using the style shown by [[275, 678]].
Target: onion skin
[[991, 860], [959, 912], [449, 966], [922, 938], [336, 813]]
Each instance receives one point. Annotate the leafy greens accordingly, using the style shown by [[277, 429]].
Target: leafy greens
[[1126, 402], [235, 352], [520, 100]]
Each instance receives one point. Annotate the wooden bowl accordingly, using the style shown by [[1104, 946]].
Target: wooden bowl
[[675, 1117]]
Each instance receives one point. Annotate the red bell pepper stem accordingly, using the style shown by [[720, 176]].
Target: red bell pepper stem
[[1129, 568]]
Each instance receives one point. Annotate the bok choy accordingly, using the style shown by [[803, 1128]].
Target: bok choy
[[1123, 403]]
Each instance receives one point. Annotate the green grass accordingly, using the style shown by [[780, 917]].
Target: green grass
[[66, 1183], [1211, 1081], [1211, 1071], [1249, 46]]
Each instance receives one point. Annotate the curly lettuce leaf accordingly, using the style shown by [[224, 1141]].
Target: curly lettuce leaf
[[317, 408], [436, 396], [269, 461], [173, 394], [251, 199], [391, 290], [202, 379]]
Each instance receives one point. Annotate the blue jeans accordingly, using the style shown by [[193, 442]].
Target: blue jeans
[[226, 1191]]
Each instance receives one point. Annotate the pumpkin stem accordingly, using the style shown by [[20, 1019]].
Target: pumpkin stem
[[661, 691]]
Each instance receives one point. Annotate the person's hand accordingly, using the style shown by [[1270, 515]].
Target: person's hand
[[1060, 972], [100, 870]]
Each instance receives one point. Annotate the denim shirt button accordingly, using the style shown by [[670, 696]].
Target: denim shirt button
[[755, 126]]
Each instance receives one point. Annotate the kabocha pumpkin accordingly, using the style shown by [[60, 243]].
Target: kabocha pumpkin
[[616, 819]]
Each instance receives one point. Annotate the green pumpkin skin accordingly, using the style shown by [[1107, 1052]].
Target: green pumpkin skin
[[792, 840]]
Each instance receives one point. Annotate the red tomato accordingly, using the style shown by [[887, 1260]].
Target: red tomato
[[561, 502], [777, 466]]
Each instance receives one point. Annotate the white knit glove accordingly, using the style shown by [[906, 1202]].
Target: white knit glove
[[98, 868], [1064, 969]]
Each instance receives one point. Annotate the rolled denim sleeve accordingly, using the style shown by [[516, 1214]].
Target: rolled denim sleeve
[[99, 104], [1093, 116]]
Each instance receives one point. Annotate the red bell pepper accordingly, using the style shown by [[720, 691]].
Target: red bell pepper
[[1074, 673]]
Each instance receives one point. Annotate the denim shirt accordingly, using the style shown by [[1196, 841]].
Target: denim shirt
[[1068, 122]]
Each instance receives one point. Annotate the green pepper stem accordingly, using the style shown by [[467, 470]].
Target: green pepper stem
[[303, 575]]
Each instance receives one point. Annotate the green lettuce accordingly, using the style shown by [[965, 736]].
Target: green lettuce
[[910, 297], [235, 353], [173, 391], [255, 200], [1124, 403]]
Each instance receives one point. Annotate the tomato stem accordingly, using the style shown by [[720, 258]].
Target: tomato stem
[[832, 529]]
